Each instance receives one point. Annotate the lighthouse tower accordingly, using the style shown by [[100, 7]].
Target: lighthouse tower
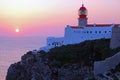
[[82, 20]]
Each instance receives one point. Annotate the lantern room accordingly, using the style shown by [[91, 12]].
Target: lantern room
[[82, 12]]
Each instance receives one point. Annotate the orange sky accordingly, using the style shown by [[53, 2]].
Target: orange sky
[[49, 17]]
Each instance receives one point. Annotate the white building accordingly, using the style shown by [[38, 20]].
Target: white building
[[80, 33]]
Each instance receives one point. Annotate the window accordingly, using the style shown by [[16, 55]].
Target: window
[[87, 31], [95, 31], [52, 43], [99, 31], [105, 31], [90, 31], [57, 43]]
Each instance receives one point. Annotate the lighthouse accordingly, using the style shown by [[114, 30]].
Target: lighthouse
[[82, 32], [82, 13]]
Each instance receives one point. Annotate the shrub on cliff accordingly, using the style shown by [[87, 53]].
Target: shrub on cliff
[[44, 66], [86, 51]]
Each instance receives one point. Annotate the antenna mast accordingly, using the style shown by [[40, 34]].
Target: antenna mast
[[82, 1]]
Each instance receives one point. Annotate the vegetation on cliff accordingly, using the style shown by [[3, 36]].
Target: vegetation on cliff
[[70, 62], [87, 51]]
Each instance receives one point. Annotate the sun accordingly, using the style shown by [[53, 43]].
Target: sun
[[17, 30]]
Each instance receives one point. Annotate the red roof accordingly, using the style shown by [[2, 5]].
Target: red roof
[[99, 25], [76, 27], [102, 25], [96, 25], [116, 25]]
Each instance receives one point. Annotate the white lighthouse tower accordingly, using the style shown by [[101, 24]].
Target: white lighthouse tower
[[82, 20]]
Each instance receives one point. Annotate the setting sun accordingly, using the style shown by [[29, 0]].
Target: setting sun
[[17, 30], [33, 17]]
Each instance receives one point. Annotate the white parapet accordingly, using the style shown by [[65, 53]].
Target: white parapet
[[52, 42], [46, 48]]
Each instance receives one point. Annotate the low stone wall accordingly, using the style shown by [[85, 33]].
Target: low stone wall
[[115, 40], [101, 67]]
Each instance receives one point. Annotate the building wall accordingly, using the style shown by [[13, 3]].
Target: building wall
[[100, 67], [77, 35], [52, 41], [74, 35], [115, 40]]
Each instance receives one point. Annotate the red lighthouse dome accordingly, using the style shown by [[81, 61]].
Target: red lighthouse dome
[[82, 12], [82, 8]]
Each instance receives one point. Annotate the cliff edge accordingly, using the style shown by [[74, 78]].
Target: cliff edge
[[71, 62]]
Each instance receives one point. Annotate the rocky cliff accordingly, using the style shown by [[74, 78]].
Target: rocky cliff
[[71, 62]]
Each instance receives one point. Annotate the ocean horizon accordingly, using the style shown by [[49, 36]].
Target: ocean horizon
[[12, 48]]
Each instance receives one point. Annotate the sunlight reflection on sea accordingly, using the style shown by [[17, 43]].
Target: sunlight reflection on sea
[[11, 50]]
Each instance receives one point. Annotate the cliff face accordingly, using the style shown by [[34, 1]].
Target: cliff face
[[31, 67], [36, 67], [72, 62]]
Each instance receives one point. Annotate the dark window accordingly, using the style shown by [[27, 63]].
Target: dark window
[[90, 31], [56, 43], [99, 31], [87, 31], [95, 31], [52, 43], [105, 31]]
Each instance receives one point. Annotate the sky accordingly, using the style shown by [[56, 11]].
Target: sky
[[50, 17]]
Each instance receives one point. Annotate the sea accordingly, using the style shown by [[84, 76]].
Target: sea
[[12, 48]]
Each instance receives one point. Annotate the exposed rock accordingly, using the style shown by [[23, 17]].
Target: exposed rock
[[75, 72], [72, 62], [34, 67]]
